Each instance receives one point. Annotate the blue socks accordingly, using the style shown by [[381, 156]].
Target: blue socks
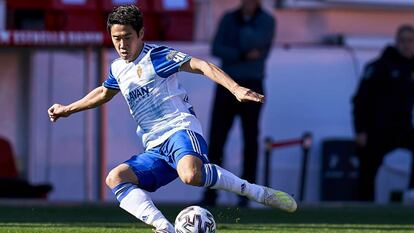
[[209, 175], [122, 190]]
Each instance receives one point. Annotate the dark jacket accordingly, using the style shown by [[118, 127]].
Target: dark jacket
[[236, 36], [385, 97]]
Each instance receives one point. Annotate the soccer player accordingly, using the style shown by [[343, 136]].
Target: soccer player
[[174, 146]]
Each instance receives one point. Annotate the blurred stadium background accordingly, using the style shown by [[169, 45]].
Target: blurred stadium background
[[58, 50]]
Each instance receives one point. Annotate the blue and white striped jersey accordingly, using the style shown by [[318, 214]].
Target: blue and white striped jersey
[[156, 100]]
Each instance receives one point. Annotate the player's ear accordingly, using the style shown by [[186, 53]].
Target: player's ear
[[141, 33]]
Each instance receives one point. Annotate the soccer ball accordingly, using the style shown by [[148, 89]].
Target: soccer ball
[[195, 219]]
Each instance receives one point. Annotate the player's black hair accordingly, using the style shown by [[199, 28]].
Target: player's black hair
[[125, 15], [404, 28]]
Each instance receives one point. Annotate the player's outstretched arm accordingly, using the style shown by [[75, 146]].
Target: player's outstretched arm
[[195, 65], [95, 98]]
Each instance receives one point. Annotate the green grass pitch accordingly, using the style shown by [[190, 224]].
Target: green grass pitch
[[108, 218]]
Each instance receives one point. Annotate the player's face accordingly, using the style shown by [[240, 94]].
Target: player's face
[[405, 44], [127, 41]]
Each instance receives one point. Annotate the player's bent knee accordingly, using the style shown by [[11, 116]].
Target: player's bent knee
[[191, 177], [112, 179], [120, 174], [189, 170]]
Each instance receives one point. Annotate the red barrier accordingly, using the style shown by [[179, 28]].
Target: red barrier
[[305, 142]]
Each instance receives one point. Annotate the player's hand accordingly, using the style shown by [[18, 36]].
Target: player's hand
[[245, 94], [56, 111]]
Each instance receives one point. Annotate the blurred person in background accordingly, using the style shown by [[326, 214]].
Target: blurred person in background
[[242, 42], [145, 74], [383, 110]]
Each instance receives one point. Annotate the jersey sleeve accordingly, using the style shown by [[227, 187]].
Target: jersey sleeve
[[167, 61], [111, 82]]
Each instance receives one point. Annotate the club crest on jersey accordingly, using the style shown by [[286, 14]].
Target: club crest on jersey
[[139, 71], [176, 56]]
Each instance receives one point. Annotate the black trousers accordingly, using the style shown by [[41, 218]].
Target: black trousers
[[225, 108], [372, 155]]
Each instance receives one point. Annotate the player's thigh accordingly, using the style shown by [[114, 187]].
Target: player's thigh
[[187, 152], [151, 170], [182, 144]]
